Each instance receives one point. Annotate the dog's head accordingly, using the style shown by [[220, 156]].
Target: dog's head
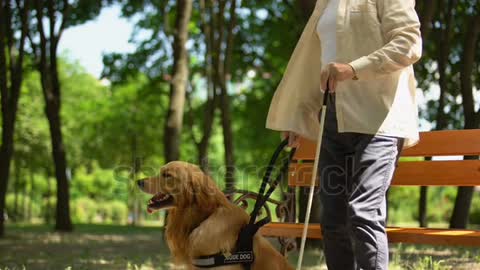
[[180, 185]]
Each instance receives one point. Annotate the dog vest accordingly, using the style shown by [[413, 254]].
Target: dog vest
[[243, 254]]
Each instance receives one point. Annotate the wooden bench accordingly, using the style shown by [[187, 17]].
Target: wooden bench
[[412, 173]]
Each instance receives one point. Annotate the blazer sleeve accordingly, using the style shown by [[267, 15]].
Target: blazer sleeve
[[401, 28]]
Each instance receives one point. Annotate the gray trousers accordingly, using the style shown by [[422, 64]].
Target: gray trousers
[[356, 171]]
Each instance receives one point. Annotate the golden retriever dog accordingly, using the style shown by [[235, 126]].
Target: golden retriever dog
[[201, 221]]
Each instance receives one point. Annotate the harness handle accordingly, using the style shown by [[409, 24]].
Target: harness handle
[[264, 196]]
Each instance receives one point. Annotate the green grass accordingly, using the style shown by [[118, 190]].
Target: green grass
[[86, 228], [428, 257], [112, 247], [89, 247]]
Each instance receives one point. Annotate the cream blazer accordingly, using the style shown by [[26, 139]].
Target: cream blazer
[[381, 40]]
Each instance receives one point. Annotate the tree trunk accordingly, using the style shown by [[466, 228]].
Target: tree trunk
[[47, 66], [203, 143], [136, 164], [463, 200], [228, 142], [23, 207], [48, 210], [208, 28], [6, 150], [445, 8], [422, 207], [443, 56], [30, 195], [16, 187], [62, 215], [426, 11], [223, 74], [461, 209], [212, 101], [11, 77], [207, 133], [174, 122]]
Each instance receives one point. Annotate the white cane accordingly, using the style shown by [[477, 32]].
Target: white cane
[[314, 178]]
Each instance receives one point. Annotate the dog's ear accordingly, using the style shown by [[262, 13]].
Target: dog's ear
[[205, 193]]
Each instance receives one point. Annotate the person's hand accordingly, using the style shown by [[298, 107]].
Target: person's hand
[[293, 138], [334, 73]]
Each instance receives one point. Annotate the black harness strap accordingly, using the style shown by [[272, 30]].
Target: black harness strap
[[244, 254], [240, 257], [262, 197]]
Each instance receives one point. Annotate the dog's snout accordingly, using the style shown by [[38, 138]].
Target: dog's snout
[[141, 183]]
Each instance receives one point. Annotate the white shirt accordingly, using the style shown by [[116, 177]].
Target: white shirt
[[326, 31]]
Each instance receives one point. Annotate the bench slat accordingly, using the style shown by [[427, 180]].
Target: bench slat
[[417, 173], [433, 143], [438, 173], [446, 143], [395, 235]]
